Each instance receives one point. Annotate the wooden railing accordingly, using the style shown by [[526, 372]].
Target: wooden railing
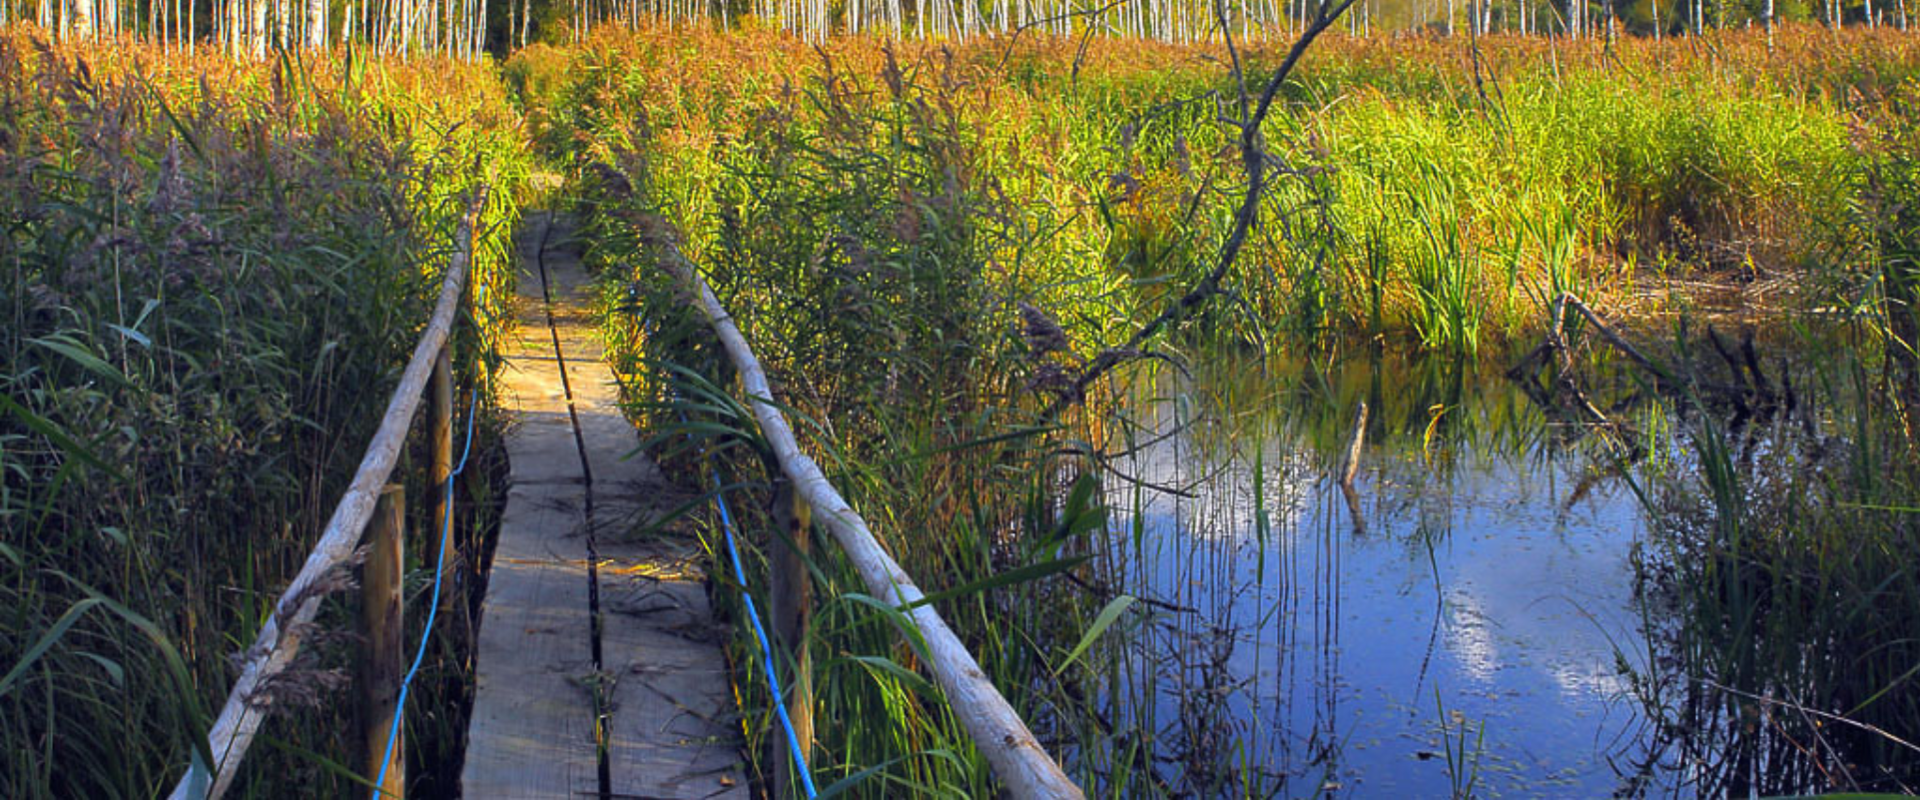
[[372, 509], [1016, 756], [279, 640]]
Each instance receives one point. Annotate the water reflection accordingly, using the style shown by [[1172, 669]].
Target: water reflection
[[1477, 580]]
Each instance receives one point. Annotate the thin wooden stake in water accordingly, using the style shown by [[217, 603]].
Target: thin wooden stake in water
[[1351, 463], [441, 434], [382, 623], [791, 595]]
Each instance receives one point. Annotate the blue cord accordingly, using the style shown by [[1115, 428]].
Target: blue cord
[[433, 608], [760, 633]]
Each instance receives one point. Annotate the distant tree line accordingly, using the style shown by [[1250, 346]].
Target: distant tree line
[[467, 28]]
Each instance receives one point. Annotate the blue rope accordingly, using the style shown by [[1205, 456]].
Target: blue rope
[[760, 633], [433, 607]]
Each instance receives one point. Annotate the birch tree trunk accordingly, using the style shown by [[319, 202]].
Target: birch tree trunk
[[83, 18], [317, 24]]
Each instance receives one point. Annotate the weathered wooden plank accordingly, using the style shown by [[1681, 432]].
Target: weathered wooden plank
[[674, 729], [671, 729], [531, 735]]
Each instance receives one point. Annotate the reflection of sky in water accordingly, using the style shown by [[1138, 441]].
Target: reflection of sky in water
[[1479, 583]]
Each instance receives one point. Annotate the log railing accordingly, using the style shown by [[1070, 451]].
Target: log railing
[[279, 640], [1015, 755]]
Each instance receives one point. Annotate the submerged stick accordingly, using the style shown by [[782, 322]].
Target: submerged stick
[[1752, 359], [1726, 354], [1606, 332], [1353, 509]]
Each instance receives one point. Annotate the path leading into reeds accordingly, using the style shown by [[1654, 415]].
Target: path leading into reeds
[[584, 620]]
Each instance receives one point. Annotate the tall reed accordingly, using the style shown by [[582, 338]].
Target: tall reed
[[212, 271]]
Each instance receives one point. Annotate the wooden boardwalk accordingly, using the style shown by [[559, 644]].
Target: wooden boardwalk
[[582, 620]]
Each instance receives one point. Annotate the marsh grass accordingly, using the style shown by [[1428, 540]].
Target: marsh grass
[[923, 242], [211, 271], [1784, 574], [1588, 170]]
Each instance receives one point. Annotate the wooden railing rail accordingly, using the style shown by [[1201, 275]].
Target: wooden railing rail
[[1016, 756], [279, 639]]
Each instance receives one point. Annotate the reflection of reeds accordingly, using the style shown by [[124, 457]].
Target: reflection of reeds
[[1783, 593]]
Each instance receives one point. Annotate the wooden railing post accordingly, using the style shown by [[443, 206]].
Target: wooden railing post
[[790, 593], [442, 436], [382, 622]]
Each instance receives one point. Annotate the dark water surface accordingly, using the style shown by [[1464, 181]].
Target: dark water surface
[[1466, 613]]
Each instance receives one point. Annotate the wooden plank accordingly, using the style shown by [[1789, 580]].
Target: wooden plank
[[532, 735], [672, 729]]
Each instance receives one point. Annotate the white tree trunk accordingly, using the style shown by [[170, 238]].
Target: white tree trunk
[[317, 24], [257, 28], [83, 18]]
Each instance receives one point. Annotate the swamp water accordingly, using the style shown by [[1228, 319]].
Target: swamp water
[[1455, 624]]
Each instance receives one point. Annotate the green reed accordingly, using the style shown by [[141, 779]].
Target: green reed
[[212, 270], [874, 218], [1783, 581]]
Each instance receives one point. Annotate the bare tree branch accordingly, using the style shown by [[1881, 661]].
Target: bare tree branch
[[1253, 157]]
